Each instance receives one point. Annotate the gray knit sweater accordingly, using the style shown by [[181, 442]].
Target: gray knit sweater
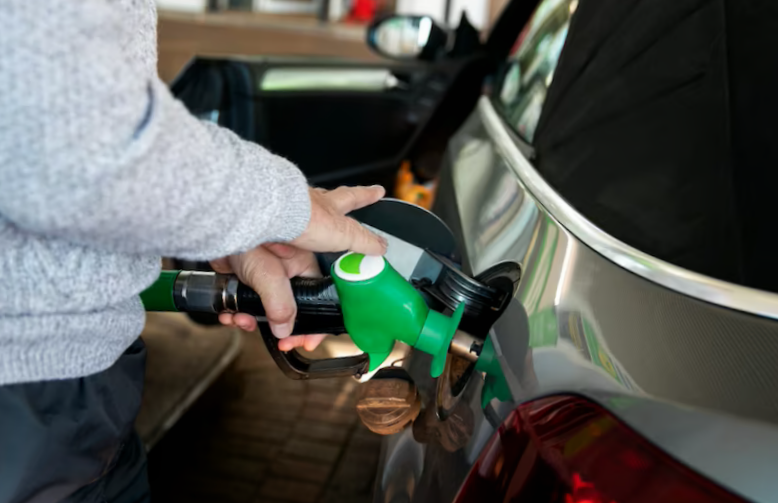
[[102, 172]]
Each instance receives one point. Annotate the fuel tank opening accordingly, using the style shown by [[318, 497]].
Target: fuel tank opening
[[487, 295]]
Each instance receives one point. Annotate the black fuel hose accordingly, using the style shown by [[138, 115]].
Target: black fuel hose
[[318, 306]]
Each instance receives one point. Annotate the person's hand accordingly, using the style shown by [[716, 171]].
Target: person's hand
[[267, 268], [329, 230]]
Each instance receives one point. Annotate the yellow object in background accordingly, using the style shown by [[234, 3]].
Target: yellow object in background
[[407, 189]]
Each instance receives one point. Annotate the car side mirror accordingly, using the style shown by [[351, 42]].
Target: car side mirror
[[407, 37]]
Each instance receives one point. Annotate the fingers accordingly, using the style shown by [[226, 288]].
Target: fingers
[[348, 199], [265, 273], [288, 344], [361, 240], [245, 322], [222, 265], [329, 229], [312, 341], [267, 269], [308, 342], [283, 251], [304, 265], [241, 320], [296, 261], [349, 234]]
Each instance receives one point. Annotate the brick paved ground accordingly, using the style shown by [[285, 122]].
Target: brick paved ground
[[260, 437]]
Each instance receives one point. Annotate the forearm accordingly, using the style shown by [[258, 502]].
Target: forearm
[[190, 189], [98, 152]]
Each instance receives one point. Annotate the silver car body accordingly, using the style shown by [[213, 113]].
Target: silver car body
[[689, 362]]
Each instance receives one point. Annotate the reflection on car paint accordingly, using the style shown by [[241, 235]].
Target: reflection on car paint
[[502, 200], [506, 203], [534, 294], [525, 84], [549, 259], [575, 328]]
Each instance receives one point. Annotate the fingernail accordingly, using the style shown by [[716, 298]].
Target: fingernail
[[383, 241], [245, 326], [282, 330]]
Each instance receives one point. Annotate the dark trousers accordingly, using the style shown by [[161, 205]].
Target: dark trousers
[[73, 440]]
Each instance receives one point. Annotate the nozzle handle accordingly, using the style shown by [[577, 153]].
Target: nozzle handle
[[318, 306], [318, 311], [314, 297]]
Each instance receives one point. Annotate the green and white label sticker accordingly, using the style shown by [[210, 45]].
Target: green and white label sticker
[[358, 267]]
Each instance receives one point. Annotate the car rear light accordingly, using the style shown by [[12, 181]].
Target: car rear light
[[566, 449]]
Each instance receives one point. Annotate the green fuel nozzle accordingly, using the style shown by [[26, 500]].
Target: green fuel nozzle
[[364, 296], [381, 307]]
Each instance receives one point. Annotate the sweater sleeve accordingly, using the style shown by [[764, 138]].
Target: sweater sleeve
[[95, 150]]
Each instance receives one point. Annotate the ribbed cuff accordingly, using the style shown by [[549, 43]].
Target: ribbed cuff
[[291, 201]]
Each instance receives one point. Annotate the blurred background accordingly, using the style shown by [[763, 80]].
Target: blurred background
[[329, 28]]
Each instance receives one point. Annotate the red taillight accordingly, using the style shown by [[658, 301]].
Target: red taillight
[[565, 449]]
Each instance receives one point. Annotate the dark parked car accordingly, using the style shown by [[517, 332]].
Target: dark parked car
[[621, 153]]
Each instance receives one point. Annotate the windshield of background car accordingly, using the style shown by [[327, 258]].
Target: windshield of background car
[[530, 68]]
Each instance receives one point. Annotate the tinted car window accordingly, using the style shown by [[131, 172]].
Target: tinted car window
[[531, 66], [636, 132]]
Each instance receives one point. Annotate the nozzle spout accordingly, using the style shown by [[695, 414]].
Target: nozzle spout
[[465, 346]]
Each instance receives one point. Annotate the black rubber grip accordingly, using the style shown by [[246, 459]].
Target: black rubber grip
[[311, 294], [318, 306]]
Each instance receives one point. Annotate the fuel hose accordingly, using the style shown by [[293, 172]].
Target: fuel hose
[[318, 307]]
